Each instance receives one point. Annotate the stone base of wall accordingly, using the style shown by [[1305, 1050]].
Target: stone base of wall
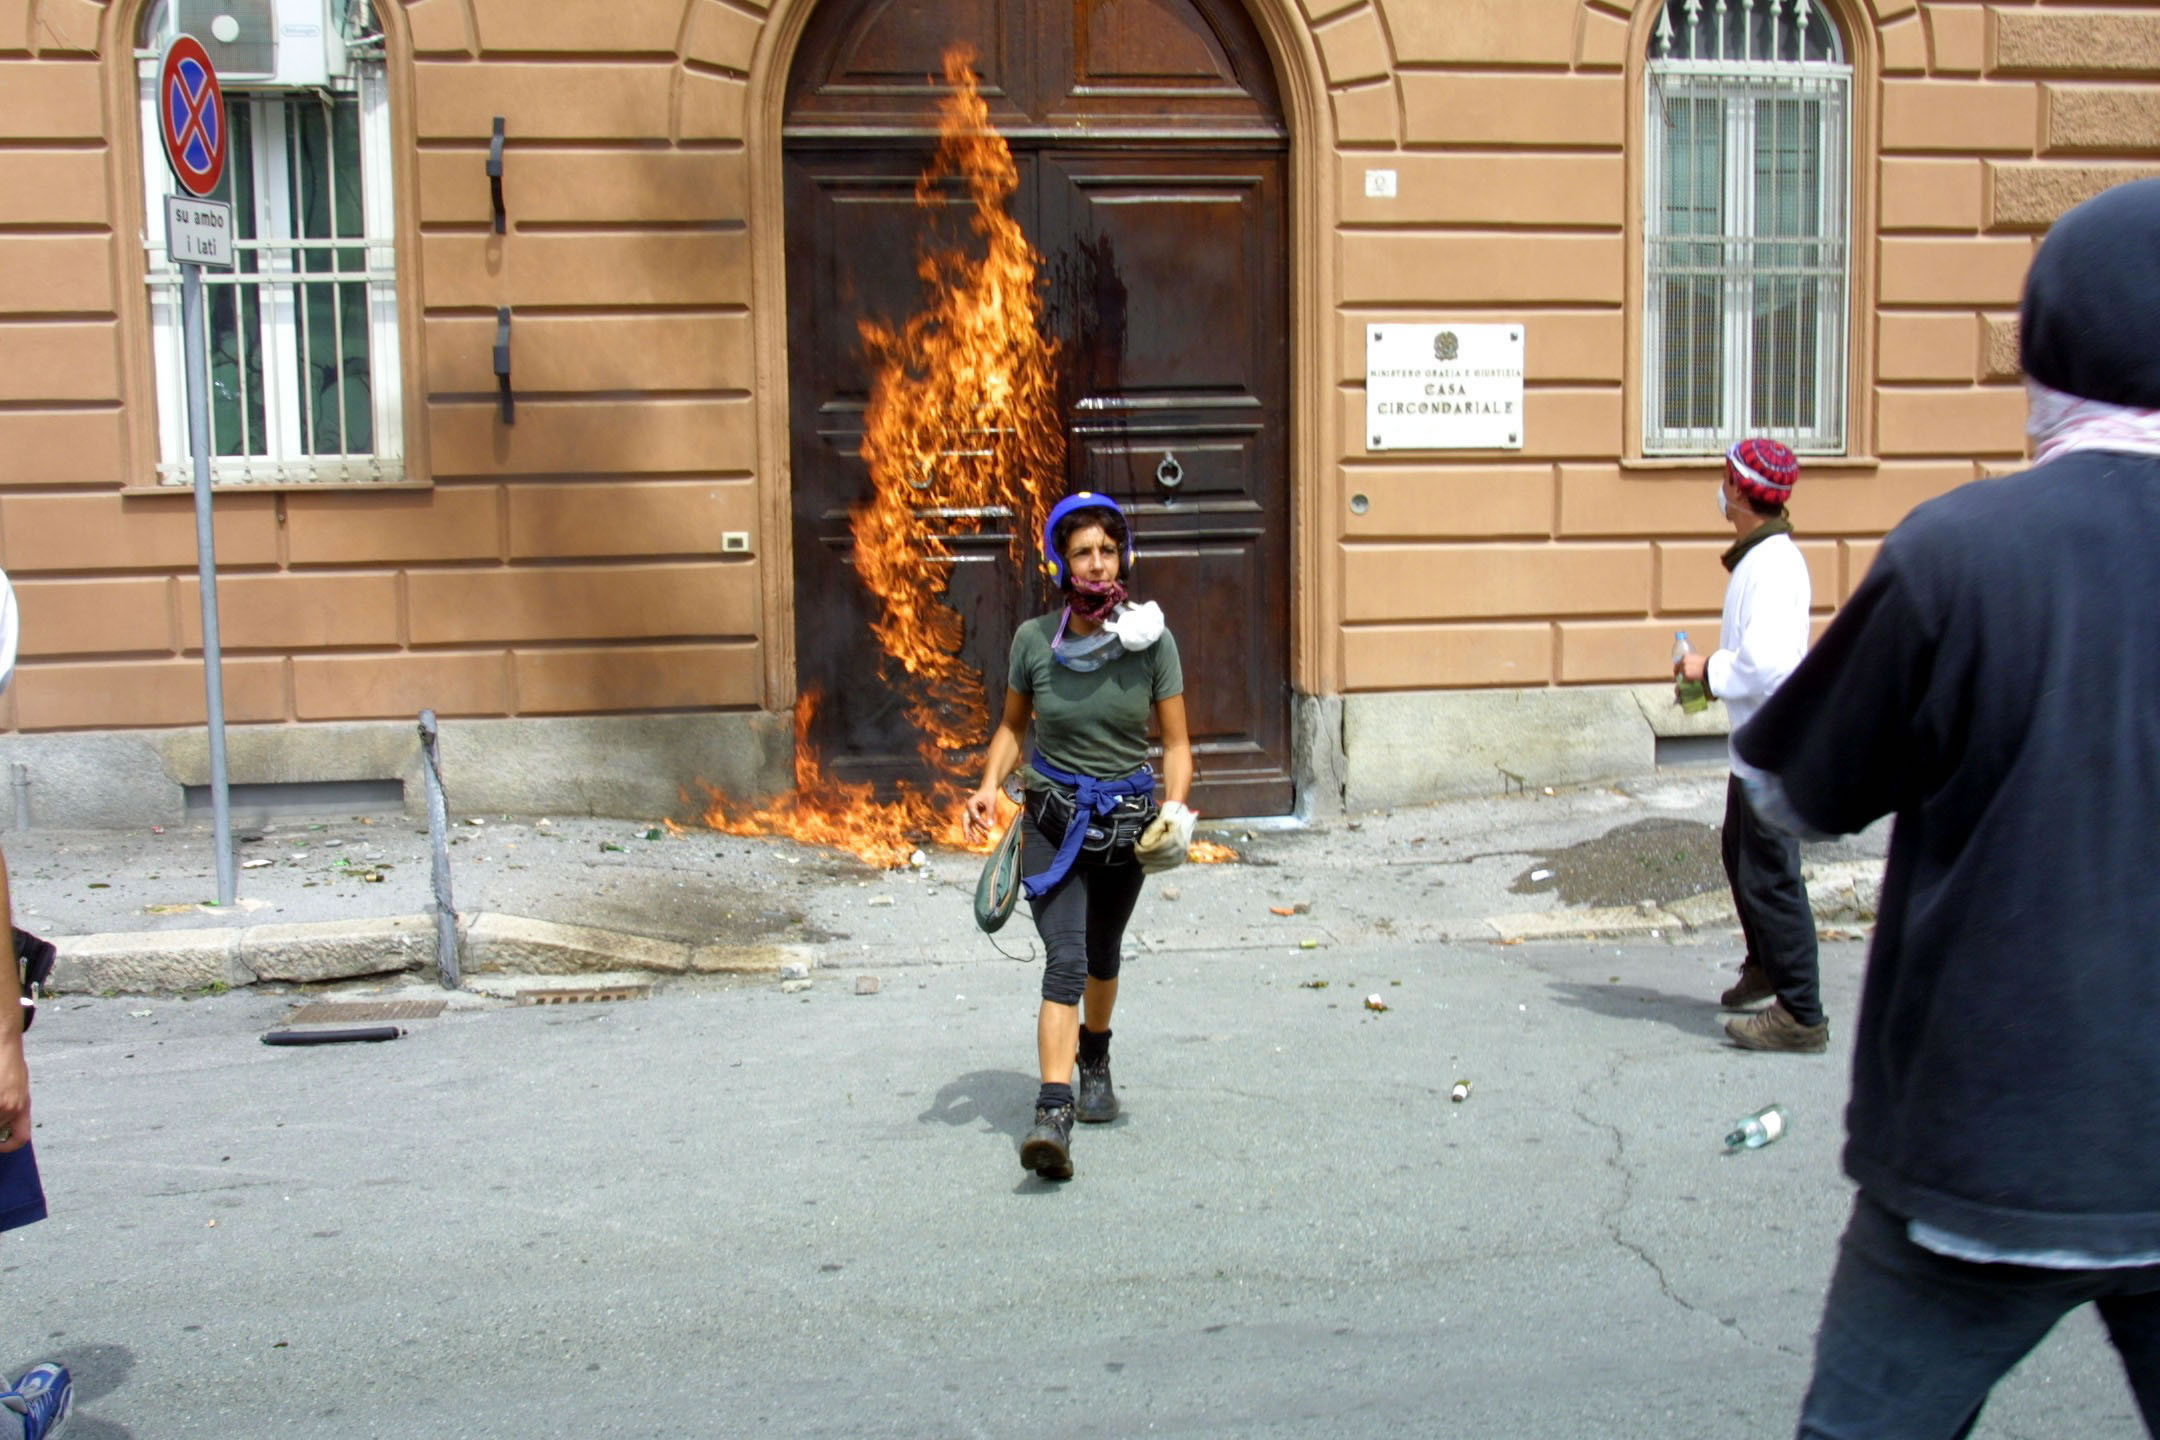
[[1317, 761], [634, 766], [1418, 747]]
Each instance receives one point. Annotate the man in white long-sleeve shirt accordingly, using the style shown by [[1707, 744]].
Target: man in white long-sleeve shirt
[[1761, 640]]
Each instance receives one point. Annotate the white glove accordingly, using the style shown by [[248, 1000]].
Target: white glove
[[1136, 626], [1163, 844]]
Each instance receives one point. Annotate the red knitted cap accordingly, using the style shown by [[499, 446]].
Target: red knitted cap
[[1763, 469]]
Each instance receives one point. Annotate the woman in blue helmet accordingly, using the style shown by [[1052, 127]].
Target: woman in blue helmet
[[1089, 676]]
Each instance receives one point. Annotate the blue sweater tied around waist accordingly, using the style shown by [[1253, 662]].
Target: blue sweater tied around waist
[[1091, 798]]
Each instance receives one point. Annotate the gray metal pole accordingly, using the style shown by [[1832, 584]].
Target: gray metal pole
[[198, 402], [438, 824]]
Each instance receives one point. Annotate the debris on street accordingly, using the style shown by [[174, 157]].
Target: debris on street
[[1762, 1128]]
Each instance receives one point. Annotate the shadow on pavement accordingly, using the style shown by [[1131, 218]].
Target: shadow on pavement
[[1694, 1015], [1001, 1100]]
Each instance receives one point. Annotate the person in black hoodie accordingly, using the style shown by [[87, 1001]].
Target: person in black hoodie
[[1995, 683]]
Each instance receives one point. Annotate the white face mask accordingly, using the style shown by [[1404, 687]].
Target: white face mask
[[1724, 506]]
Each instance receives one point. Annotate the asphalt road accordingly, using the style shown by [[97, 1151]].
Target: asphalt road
[[729, 1211]]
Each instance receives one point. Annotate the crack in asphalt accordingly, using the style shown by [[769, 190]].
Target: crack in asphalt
[[1617, 1163]]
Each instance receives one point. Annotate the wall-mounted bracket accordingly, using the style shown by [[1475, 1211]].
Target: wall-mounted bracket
[[495, 157], [502, 365]]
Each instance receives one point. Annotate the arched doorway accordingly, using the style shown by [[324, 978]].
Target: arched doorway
[[1152, 155]]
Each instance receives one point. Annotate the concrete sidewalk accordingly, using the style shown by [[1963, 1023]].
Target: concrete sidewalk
[[342, 897]]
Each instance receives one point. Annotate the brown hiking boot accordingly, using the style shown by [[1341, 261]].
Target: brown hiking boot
[[1775, 1029], [1752, 988]]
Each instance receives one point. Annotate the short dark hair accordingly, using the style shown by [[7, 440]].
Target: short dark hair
[[1112, 524]]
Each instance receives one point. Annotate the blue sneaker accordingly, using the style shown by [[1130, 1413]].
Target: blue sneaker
[[43, 1398]]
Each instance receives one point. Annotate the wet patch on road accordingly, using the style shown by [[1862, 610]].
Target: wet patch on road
[[1658, 860]]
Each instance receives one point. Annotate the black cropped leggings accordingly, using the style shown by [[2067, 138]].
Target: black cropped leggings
[[1082, 919]]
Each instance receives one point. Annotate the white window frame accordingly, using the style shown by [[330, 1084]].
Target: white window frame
[[286, 461], [1740, 84]]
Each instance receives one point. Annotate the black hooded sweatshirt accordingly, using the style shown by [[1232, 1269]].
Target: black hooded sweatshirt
[[1995, 682]]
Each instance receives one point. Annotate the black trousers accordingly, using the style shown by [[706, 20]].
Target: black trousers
[[1082, 919], [1763, 866]]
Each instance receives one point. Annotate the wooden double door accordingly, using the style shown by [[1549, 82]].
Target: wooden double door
[[1151, 161]]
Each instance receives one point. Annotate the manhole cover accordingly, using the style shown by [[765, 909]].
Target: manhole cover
[[591, 995], [337, 1012]]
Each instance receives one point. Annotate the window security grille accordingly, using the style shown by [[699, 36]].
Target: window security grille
[[302, 332], [1746, 254]]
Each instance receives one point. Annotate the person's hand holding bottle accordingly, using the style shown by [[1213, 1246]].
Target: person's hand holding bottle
[[1689, 671]]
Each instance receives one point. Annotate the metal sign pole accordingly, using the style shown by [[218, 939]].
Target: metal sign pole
[[198, 401], [199, 232]]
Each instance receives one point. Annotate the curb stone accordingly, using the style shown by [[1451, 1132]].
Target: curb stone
[[1575, 924], [180, 960], [1843, 892], [156, 960], [331, 950]]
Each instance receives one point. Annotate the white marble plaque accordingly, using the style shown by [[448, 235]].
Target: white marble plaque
[[1443, 387]]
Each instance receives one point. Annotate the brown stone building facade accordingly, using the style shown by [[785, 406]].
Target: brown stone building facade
[[599, 597]]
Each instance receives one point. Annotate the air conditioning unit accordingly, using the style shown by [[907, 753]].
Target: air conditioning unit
[[266, 43]]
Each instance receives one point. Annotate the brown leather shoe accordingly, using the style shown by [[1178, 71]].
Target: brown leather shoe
[[1752, 988], [1775, 1029]]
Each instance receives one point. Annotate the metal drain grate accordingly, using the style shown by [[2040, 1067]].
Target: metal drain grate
[[594, 995], [337, 1012]]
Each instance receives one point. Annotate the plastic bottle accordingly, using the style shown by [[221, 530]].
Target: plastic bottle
[[1757, 1130], [1693, 695]]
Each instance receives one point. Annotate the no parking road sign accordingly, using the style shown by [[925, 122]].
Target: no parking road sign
[[191, 115]]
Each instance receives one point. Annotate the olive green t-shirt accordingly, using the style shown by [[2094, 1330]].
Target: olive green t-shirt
[[1092, 722]]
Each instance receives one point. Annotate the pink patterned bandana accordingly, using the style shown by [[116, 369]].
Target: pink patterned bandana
[[2059, 423], [1094, 603]]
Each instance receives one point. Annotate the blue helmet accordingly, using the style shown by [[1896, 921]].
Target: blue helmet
[[1083, 500]]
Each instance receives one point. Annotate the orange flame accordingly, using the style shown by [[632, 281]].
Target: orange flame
[[962, 432], [827, 811], [963, 419]]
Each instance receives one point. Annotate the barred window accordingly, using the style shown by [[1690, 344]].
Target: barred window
[[1746, 257], [302, 332]]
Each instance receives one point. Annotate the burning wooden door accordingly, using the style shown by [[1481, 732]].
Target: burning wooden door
[[1150, 157]]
